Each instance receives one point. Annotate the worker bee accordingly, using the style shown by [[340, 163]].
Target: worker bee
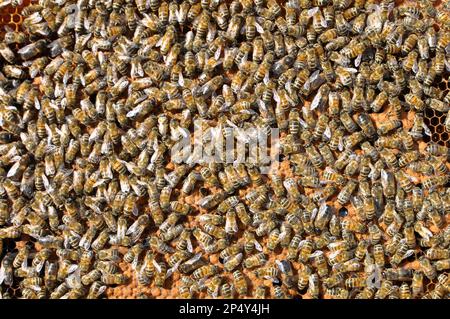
[[306, 248], [428, 269], [320, 263], [344, 195], [205, 272], [240, 283]]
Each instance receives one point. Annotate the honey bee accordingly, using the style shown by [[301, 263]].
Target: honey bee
[[215, 231], [292, 189], [442, 264], [114, 279], [226, 205], [240, 283], [320, 263], [348, 122], [205, 272], [202, 237], [314, 156], [428, 269], [344, 195], [306, 248]]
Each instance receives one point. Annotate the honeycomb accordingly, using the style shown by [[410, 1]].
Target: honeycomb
[[11, 16], [435, 120]]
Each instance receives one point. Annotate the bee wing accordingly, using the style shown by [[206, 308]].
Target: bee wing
[[415, 67], [311, 281], [409, 253], [39, 265], [334, 254], [311, 12], [74, 279], [170, 271], [84, 243], [316, 101], [327, 132], [13, 170], [47, 266], [215, 293], [121, 230], [303, 123], [446, 61], [49, 133], [288, 86], [157, 266], [184, 132], [101, 181], [137, 70], [426, 129], [24, 264], [314, 213], [358, 60], [2, 274], [66, 78], [189, 246], [294, 4], [193, 259], [204, 218], [399, 40], [341, 144], [181, 79], [66, 242], [425, 233], [332, 245], [35, 287], [132, 228], [384, 177], [201, 283], [307, 85], [279, 265], [316, 253], [218, 53], [179, 15], [7, 27], [101, 290], [351, 70], [258, 245], [231, 227], [160, 41], [372, 173], [323, 22], [261, 105], [124, 184], [59, 91], [108, 171], [276, 97], [259, 28], [37, 104], [137, 234], [412, 178], [226, 259], [135, 262], [282, 235], [266, 78]]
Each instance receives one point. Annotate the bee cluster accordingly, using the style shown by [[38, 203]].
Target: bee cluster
[[94, 94]]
